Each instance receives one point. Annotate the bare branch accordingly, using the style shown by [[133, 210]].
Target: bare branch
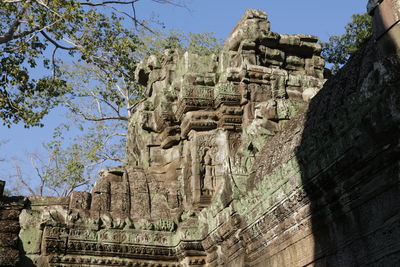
[[39, 174], [134, 13], [10, 34], [116, 110], [57, 45], [96, 163], [97, 103], [19, 177], [133, 18], [114, 159], [108, 2], [121, 2], [170, 2], [6, 38], [133, 108], [103, 118], [73, 187], [40, 2], [120, 134], [53, 60]]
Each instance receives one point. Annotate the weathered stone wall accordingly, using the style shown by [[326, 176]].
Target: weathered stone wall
[[10, 209], [233, 162], [325, 191], [386, 23]]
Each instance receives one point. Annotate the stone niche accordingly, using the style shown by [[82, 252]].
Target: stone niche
[[235, 160]]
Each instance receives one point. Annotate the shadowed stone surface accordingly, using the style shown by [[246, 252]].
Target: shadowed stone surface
[[235, 160], [10, 210]]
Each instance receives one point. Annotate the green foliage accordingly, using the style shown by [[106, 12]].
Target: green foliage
[[68, 162], [201, 43], [73, 161], [23, 98], [33, 31], [102, 34], [339, 48]]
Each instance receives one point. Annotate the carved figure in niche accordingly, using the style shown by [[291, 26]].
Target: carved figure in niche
[[207, 174]]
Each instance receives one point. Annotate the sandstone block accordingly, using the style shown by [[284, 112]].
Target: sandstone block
[[294, 63], [8, 240], [120, 205], [267, 110], [8, 256], [9, 226], [9, 214], [80, 200], [309, 93], [289, 40], [101, 201]]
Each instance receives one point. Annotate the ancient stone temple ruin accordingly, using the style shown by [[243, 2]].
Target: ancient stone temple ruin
[[246, 158]]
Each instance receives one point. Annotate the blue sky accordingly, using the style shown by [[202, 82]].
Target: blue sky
[[318, 17]]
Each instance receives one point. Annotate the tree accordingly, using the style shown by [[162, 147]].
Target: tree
[[30, 28], [65, 165], [339, 48]]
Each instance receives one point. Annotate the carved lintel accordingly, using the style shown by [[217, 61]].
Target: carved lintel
[[199, 121]]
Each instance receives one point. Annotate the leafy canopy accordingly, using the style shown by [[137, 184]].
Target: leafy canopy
[[31, 33], [339, 48]]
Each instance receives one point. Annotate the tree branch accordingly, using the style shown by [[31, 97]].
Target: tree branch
[[108, 2], [170, 2], [134, 19], [73, 187], [114, 159], [57, 45], [38, 172], [116, 110], [103, 118], [14, 26], [93, 118], [21, 180]]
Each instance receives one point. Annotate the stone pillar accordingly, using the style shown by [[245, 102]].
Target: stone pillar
[[386, 24]]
